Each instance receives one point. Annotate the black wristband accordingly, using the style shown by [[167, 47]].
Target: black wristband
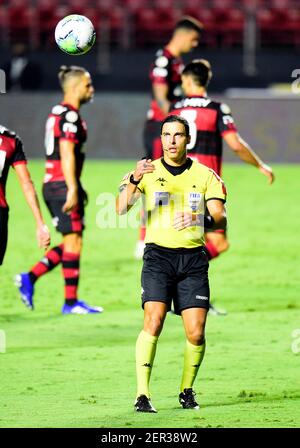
[[208, 222], [132, 181]]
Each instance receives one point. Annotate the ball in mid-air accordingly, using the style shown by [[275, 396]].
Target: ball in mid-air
[[75, 34]]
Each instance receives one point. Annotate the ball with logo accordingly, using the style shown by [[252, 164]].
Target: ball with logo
[[75, 34]]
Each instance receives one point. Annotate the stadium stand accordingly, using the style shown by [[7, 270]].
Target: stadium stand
[[147, 22]]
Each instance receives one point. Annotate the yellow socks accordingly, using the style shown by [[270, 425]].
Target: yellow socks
[[193, 357], [144, 354]]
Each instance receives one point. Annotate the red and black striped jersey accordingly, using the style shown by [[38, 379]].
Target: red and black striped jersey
[[166, 69], [209, 121], [63, 123], [11, 154]]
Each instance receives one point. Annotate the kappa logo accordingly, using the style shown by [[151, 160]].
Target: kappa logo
[[201, 297], [161, 180]]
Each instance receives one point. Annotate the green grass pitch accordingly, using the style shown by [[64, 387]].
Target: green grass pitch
[[79, 371]]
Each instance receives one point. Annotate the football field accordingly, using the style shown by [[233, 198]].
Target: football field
[[79, 371]]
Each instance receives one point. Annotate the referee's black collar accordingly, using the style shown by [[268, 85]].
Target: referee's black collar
[[176, 170]]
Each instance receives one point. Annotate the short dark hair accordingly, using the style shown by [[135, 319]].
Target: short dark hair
[[199, 70], [172, 119], [66, 72], [189, 23]]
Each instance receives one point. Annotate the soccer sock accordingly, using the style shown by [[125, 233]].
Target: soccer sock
[[144, 354], [51, 259], [211, 249], [193, 357], [70, 266]]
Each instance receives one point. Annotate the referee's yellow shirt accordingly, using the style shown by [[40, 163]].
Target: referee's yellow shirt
[[166, 194]]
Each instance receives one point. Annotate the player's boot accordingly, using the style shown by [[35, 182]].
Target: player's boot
[[139, 250], [143, 404], [91, 309], [80, 307], [26, 288], [213, 311], [187, 399]]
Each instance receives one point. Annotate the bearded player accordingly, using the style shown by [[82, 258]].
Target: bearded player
[[62, 190]]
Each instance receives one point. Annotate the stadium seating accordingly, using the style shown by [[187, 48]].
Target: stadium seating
[[147, 22]]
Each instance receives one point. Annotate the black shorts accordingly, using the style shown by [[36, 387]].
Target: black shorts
[[180, 275], [152, 141], [55, 194], [3, 231]]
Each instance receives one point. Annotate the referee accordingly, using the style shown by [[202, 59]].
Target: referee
[[177, 192]]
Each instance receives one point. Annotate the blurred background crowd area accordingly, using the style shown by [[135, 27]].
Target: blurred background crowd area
[[249, 43], [139, 23], [253, 47]]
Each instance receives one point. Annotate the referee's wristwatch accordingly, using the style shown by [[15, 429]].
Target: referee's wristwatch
[[132, 181]]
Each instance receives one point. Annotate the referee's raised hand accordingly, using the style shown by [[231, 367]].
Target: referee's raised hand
[[143, 166]]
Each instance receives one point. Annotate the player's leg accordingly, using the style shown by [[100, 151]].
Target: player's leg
[[3, 232], [154, 316], [194, 323], [25, 281], [192, 302], [72, 247], [71, 226], [157, 279]]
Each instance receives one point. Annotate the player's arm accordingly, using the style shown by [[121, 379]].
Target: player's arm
[[42, 232], [130, 193], [160, 93], [245, 153], [68, 164], [217, 213]]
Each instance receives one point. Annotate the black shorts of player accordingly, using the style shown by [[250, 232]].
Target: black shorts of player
[[55, 194], [178, 275], [152, 141], [3, 231]]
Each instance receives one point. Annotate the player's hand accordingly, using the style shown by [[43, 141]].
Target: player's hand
[[183, 220], [71, 202], [267, 171], [43, 236], [143, 166]]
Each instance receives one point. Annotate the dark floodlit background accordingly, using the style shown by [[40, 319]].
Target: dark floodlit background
[[253, 47]]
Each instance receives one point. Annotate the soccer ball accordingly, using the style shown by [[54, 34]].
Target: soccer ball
[[75, 34]]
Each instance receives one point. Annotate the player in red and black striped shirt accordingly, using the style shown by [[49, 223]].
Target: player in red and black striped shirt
[[165, 76], [210, 123], [12, 154], [63, 193]]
